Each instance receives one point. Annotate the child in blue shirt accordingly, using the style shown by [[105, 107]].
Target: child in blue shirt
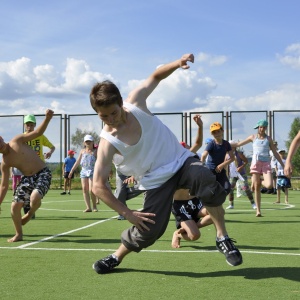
[[66, 168], [215, 152]]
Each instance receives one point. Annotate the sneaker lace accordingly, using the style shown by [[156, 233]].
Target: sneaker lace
[[228, 244], [110, 262]]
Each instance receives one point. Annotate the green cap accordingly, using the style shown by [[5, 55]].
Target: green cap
[[262, 123], [29, 118]]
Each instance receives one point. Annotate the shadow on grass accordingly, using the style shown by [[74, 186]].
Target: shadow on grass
[[288, 273], [241, 248], [263, 221]]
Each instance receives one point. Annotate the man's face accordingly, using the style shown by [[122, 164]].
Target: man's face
[[110, 115], [29, 126]]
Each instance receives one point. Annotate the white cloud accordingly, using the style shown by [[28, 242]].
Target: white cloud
[[24, 88], [16, 78], [181, 91], [286, 97], [210, 59], [18, 70], [292, 56]]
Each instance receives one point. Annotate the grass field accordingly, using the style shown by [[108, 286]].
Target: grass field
[[54, 261]]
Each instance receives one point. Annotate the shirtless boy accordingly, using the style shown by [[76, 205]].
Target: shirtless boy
[[36, 178]]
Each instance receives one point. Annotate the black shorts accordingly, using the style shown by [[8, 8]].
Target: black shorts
[[184, 210], [223, 180], [66, 175]]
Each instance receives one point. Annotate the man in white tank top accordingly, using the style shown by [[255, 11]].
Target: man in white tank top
[[139, 144]]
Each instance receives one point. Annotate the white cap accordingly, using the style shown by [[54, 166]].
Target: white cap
[[88, 137]]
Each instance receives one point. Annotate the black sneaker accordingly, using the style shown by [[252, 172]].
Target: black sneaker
[[232, 254], [69, 193], [106, 264], [63, 193]]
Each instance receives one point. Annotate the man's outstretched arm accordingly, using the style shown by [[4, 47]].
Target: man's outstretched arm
[[141, 93]]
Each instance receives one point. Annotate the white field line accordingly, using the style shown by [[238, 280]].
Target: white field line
[[100, 210], [64, 233], [276, 207], [24, 246], [151, 251]]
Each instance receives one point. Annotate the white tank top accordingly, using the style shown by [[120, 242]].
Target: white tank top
[[155, 158]]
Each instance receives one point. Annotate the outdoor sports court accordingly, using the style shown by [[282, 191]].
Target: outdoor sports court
[[54, 261]]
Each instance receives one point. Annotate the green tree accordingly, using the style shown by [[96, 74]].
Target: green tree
[[77, 138], [295, 127]]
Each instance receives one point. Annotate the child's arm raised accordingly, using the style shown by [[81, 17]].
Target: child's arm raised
[[39, 130]]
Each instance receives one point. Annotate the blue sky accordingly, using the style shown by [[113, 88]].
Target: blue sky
[[247, 53]]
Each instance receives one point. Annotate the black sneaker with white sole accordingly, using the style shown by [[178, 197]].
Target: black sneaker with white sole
[[231, 252], [106, 264]]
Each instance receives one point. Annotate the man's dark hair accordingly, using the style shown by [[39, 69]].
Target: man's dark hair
[[105, 93]]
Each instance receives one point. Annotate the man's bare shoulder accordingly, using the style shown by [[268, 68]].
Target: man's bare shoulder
[[142, 105], [17, 139]]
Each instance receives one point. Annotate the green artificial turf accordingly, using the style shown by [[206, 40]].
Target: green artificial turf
[[54, 261]]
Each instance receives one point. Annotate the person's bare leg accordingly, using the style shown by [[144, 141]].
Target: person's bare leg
[[256, 182], [217, 216], [69, 184], [176, 239], [205, 218], [189, 231], [93, 196], [286, 193], [278, 196], [121, 252], [16, 215], [86, 194], [65, 184], [268, 182], [35, 203], [205, 221]]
